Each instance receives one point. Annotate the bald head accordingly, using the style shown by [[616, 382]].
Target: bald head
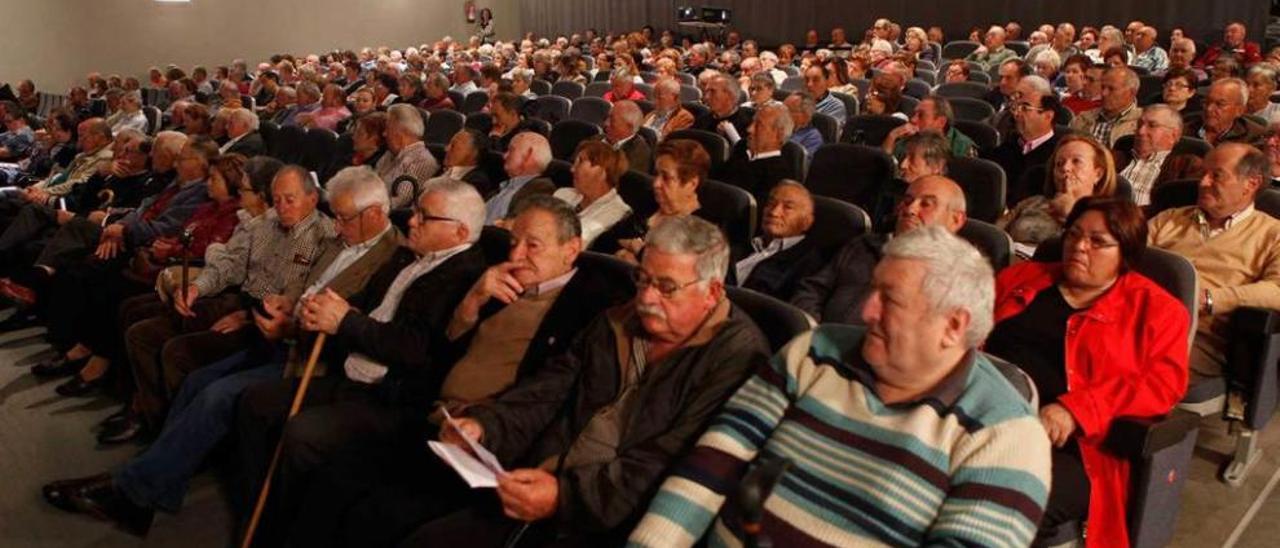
[[931, 200]]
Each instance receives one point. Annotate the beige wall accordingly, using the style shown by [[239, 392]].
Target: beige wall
[[56, 42]]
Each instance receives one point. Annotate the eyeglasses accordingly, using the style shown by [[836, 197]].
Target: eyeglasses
[[665, 286], [1024, 107], [1175, 85], [423, 216], [348, 218], [1095, 242]]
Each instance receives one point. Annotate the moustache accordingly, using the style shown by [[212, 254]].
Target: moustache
[[651, 310]]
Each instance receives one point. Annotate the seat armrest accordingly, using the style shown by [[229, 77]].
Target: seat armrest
[[1249, 320], [1141, 437]]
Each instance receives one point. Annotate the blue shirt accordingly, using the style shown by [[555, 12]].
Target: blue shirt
[[18, 142], [497, 206], [808, 137]]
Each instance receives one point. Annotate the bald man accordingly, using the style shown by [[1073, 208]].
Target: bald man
[[834, 294], [782, 254]]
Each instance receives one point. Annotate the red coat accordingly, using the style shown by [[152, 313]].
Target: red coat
[[1247, 55], [1126, 356]]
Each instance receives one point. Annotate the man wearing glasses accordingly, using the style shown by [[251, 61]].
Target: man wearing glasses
[[1151, 160], [1033, 107]]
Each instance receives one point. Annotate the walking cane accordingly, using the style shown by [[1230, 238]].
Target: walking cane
[[185, 240], [275, 458]]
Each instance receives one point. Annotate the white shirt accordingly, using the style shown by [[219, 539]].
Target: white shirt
[[361, 368], [347, 257], [598, 217], [224, 148], [762, 252], [763, 155]]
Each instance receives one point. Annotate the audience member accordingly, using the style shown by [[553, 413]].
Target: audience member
[[668, 114], [933, 114], [782, 254], [1224, 120], [1148, 54], [1233, 45], [620, 132], [1179, 91], [242, 134], [594, 196], [1151, 162], [1034, 142], [1118, 116], [992, 52], [757, 165], [1262, 83], [816, 80], [1079, 167], [525, 161], [406, 154], [462, 157], [723, 117], [801, 107]]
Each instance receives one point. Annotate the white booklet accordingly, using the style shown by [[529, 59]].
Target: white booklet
[[479, 468]]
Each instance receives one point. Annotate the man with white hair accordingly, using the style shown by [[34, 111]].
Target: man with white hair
[[757, 165], [1224, 120], [620, 132], [1147, 53], [242, 134], [525, 161], [993, 52], [963, 443], [205, 407], [407, 155], [308, 95], [723, 117], [769, 63], [1151, 162], [130, 115], [1181, 54], [1118, 116]]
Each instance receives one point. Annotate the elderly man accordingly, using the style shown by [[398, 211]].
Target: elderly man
[[308, 102], [463, 79], [437, 93], [18, 140], [800, 106], [724, 117], [462, 161], [508, 330], [1148, 54], [1181, 53], [1151, 161], [242, 134], [782, 254], [1224, 120], [1034, 142], [1233, 44], [933, 114], [407, 154], [1232, 246], [524, 162], [1011, 74], [1118, 116], [276, 251], [816, 81], [833, 293], [508, 120], [130, 115], [611, 450], [27, 97], [960, 421], [992, 53], [1262, 83], [1064, 40], [620, 132], [94, 137], [769, 65], [668, 114], [757, 165], [622, 86], [204, 408]]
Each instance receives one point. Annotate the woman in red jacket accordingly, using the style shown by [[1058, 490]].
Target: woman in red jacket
[[1099, 341]]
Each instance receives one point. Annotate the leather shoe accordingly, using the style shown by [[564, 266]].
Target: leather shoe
[[59, 493], [126, 430], [104, 501], [76, 386], [113, 420], [58, 366]]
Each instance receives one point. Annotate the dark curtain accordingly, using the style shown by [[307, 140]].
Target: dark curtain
[[776, 21]]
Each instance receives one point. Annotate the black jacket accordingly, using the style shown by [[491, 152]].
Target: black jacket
[[480, 180], [250, 145], [126, 192], [542, 415], [779, 276], [740, 119], [412, 345], [1018, 166], [835, 293], [758, 177]]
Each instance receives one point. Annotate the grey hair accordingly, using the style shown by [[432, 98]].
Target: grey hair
[[438, 80], [781, 120], [568, 226], [807, 104], [1050, 55], [309, 186], [1253, 163], [462, 202], [669, 85], [690, 235], [764, 79], [1168, 112], [133, 96], [407, 118], [523, 75], [246, 116], [1240, 85], [1131, 80], [540, 146], [957, 277], [130, 134], [309, 89], [621, 73], [1112, 34], [631, 114], [1266, 70], [1039, 84], [363, 184], [171, 141]]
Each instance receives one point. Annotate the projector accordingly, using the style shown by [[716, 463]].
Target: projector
[[686, 14], [715, 15]]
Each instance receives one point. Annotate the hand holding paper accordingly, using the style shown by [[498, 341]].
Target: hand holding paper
[[475, 464]]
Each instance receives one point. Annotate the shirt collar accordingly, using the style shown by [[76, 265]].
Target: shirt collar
[[368, 244], [550, 285], [944, 394], [776, 245], [1103, 114], [618, 145], [764, 155], [516, 182], [1231, 219], [458, 172], [1027, 147], [436, 256]]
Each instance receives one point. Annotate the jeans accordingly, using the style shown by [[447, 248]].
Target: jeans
[[201, 416]]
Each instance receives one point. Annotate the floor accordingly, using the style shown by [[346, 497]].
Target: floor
[[47, 437]]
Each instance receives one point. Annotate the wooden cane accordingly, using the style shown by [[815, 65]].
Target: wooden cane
[[298, 396]]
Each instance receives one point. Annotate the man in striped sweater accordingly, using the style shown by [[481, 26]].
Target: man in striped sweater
[[898, 433]]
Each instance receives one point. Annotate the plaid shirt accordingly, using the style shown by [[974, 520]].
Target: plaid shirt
[[264, 259], [1102, 127], [413, 160], [1142, 175]]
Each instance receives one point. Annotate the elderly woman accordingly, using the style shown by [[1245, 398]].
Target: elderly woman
[[957, 71], [884, 97], [759, 90], [917, 45], [623, 86], [1099, 341], [1046, 63], [1262, 83], [1179, 91], [85, 294], [1080, 167], [668, 114], [1078, 96], [596, 170], [130, 115], [680, 167], [196, 120], [333, 110], [368, 141]]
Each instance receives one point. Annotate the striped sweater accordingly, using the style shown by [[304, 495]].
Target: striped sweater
[[968, 464]]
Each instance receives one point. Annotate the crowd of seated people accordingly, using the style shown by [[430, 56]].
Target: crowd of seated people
[[467, 287]]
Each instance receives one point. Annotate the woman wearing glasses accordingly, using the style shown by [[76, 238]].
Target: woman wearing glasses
[[1080, 167], [1099, 341], [1179, 91]]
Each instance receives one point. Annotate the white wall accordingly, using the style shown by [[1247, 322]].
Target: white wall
[[57, 42]]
